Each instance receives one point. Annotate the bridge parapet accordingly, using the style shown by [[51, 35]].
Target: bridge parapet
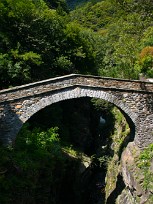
[[71, 80]]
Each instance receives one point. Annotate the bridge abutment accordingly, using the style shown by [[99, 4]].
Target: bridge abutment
[[144, 130], [10, 124]]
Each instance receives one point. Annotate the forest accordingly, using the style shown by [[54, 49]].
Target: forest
[[41, 39]]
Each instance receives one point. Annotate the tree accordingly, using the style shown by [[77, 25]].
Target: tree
[[55, 4], [29, 37], [145, 63], [84, 48]]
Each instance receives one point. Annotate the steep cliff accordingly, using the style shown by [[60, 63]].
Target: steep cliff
[[129, 177], [137, 172]]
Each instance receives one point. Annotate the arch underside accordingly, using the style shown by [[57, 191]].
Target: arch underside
[[77, 92]]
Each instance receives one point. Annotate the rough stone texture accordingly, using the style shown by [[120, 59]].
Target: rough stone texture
[[133, 178], [134, 98], [125, 198]]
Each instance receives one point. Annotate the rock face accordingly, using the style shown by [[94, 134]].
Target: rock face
[[126, 197], [133, 176]]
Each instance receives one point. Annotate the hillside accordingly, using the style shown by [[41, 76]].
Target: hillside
[[127, 32], [44, 39]]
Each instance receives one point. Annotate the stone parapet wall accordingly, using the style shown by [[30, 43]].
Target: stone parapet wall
[[72, 80]]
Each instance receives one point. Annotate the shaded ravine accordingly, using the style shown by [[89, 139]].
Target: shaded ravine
[[83, 131]]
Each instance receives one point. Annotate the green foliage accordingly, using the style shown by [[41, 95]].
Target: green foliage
[[29, 33], [101, 105], [15, 67], [144, 163], [145, 62], [144, 7], [147, 38], [37, 138], [41, 39], [121, 29], [38, 43], [83, 48], [146, 66], [121, 131], [95, 15], [121, 53], [70, 151], [63, 63], [103, 161], [119, 136], [57, 4], [28, 171]]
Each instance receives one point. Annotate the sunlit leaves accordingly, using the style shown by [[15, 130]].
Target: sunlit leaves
[[145, 61], [37, 42], [94, 15], [30, 35], [30, 168], [64, 64], [147, 38], [144, 163]]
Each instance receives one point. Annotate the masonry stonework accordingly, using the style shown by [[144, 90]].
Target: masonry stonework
[[133, 98]]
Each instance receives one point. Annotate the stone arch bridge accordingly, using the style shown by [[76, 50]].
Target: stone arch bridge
[[133, 98]]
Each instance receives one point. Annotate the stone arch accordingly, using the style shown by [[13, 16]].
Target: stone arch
[[77, 92]]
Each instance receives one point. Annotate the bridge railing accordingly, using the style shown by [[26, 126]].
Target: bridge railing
[[74, 80]]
